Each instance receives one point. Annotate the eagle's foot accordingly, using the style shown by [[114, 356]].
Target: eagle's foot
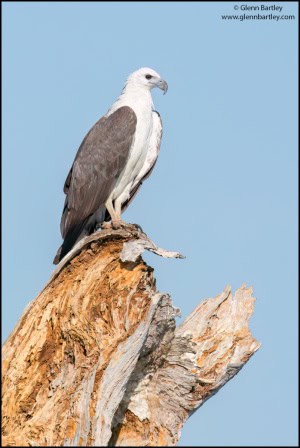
[[106, 225], [118, 224]]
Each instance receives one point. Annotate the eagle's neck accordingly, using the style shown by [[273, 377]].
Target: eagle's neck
[[134, 96]]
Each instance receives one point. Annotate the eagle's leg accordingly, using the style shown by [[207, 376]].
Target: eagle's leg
[[115, 214], [117, 222]]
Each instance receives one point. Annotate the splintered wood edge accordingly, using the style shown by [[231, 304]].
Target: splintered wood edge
[[156, 406], [132, 236]]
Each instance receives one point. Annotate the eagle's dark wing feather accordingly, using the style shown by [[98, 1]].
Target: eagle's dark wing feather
[[99, 161]]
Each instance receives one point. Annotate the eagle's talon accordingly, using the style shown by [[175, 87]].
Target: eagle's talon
[[106, 225], [118, 224], [138, 227]]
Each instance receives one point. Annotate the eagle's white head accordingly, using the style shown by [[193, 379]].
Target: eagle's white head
[[147, 78], [136, 92]]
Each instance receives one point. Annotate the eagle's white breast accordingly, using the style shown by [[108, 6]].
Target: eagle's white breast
[[141, 103]]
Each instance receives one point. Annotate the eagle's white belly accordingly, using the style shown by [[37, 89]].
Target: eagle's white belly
[[136, 157]]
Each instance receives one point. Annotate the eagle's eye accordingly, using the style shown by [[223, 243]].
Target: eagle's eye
[[148, 76]]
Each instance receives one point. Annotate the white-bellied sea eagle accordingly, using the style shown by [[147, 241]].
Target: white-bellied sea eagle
[[113, 160]]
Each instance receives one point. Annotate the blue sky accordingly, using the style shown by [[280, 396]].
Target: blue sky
[[224, 191]]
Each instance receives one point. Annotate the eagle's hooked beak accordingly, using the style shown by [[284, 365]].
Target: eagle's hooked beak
[[162, 84]]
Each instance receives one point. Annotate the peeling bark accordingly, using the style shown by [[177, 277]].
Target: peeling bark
[[97, 360]]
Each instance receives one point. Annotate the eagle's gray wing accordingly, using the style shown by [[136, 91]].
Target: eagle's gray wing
[[99, 161], [151, 158]]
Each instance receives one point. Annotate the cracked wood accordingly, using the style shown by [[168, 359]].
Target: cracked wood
[[96, 358]]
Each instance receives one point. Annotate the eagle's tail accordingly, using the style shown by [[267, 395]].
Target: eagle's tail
[[72, 237], [86, 227], [58, 256]]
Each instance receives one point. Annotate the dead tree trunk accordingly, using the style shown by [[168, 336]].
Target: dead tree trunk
[[97, 360]]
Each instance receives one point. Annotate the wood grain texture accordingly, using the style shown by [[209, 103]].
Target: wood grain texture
[[205, 352], [96, 358]]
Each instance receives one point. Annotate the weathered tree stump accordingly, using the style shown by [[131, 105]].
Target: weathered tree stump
[[97, 360]]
